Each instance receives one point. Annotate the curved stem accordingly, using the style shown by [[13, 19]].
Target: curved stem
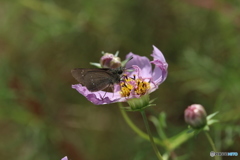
[[136, 129], [212, 144], [150, 135]]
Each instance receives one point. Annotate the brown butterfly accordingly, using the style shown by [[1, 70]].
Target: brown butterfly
[[97, 79]]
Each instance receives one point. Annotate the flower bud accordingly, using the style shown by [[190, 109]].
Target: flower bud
[[195, 116], [109, 60], [139, 104]]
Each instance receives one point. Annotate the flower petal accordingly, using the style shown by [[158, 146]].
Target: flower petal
[[99, 97], [64, 158], [142, 62], [157, 54], [160, 70]]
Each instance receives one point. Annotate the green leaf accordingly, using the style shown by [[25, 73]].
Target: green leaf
[[98, 65], [179, 139], [212, 121], [212, 115], [162, 119]]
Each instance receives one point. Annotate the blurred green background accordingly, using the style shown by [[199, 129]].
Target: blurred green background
[[42, 117]]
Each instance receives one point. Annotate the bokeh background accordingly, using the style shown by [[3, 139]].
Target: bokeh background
[[42, 117]]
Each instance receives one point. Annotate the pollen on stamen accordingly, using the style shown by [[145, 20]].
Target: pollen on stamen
[[136, 86]]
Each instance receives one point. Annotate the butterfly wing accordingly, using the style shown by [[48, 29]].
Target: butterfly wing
[[78, 74], [94, 79]]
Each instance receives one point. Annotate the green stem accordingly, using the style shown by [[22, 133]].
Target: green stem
[[136, 129], [212, 144], [150, 135]]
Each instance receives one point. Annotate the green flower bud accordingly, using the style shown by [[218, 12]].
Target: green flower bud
[[138, 104]]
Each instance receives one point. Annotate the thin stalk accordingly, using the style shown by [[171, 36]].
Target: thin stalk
[[136, 129], [150, 135], [212, 144]]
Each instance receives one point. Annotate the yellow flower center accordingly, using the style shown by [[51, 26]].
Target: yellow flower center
[[135, 86]]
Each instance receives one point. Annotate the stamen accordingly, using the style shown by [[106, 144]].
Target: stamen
[[135, 86]]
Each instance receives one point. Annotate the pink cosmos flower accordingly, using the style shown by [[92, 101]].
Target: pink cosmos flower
[[142, 80]]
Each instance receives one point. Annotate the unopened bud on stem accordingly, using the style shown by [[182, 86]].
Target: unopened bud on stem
[[109, 60], [195, 116]]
